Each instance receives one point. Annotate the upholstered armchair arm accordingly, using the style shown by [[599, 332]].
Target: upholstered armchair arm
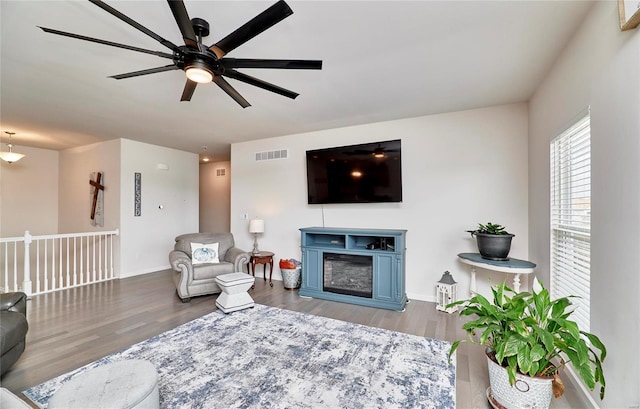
[[14, 302], [181, 263], [238, 257]]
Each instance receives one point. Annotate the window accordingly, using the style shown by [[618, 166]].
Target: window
[[571, 217]]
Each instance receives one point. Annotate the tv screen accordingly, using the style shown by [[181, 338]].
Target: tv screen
[[365, 173]]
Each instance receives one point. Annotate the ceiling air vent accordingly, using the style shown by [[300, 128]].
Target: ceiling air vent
[[221, 172], [272, 155]]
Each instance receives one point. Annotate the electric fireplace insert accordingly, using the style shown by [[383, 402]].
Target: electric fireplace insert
[[348, 274]]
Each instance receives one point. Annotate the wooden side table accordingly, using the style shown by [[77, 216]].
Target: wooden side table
[[262, 257]]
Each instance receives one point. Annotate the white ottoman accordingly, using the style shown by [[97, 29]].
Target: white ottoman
[[117, 385], [10, 401], [234, 294]]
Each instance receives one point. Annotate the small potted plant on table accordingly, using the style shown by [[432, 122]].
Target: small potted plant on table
[[528, 339], [494, 242]]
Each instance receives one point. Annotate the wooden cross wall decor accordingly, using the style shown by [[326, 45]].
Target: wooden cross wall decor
[[97, 187]]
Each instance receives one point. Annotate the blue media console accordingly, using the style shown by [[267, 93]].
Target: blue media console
[[357, 266]]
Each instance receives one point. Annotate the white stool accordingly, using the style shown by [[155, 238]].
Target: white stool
[[234, 294], [117, 385]]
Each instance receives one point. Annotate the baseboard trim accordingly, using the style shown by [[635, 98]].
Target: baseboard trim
[[421, 297], [145, 271]]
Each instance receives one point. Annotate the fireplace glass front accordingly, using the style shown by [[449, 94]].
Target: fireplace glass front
[[348, 274]]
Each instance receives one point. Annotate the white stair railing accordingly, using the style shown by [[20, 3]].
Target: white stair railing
[[60, 261]]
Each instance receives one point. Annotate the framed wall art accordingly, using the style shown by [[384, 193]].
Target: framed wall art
[[137, 194]]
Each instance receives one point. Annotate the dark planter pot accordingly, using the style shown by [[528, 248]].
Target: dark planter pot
[[494, 246]]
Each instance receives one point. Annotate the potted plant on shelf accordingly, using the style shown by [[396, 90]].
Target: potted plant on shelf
[[494, 242], [528, 339]]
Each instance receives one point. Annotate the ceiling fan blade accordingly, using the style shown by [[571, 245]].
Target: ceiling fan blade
[[259, 83], [280, 64], [145, 72], [105, 42], [184, 23], [226, 87], [135, 24], [189, 87], [268, 18]]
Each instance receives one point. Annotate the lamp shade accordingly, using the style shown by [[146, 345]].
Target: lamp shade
[[11, 156], [256, 226]]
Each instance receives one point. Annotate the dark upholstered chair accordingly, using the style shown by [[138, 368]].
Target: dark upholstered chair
[[13, 328], [192, 280]]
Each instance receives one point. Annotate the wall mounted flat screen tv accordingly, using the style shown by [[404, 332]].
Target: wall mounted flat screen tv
[[365, 173]]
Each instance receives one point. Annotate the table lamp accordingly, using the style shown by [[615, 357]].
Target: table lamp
[[256, 226]]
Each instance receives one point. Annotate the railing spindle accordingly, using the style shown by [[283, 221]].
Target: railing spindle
[[46, 265], [68, 265], [88, 272], [100, 258], [15, 268], [5, 285], [94, 258], [75, 273], [81, 263], [60, 276], [111, 256], [37, 266], [53, 265]]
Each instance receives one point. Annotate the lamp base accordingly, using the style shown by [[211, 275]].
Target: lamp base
[[255, 245]]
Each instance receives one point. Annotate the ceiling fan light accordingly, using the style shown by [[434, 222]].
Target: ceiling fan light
[[199, 74]]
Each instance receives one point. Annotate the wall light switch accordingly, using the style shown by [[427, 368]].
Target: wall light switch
[[245, 216]]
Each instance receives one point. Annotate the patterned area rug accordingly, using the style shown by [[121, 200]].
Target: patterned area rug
[[268, 357]]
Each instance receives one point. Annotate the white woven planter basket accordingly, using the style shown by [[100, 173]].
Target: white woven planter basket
[[527, 392]]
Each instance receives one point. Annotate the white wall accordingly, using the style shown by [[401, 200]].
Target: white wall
[[215, 197], [600, 68], [76, 167], [147, 240], [74, 201], [144, 242], [29, 193], [459, 169]]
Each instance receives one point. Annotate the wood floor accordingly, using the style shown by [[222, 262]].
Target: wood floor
[[71, 328]]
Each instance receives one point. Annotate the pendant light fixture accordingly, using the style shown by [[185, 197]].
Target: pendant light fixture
[[10, 156]]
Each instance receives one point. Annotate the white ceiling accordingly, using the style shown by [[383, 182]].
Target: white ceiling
[[382, 60]]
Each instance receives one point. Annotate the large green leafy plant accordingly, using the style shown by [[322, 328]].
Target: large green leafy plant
[[530, 333]]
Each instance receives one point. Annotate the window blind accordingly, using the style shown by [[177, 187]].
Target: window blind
[[571, 218]]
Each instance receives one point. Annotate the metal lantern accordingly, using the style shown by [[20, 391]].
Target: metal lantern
[[447, 292]]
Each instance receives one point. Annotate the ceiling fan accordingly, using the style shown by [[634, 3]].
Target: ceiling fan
[[380, 151], [204, 64]]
